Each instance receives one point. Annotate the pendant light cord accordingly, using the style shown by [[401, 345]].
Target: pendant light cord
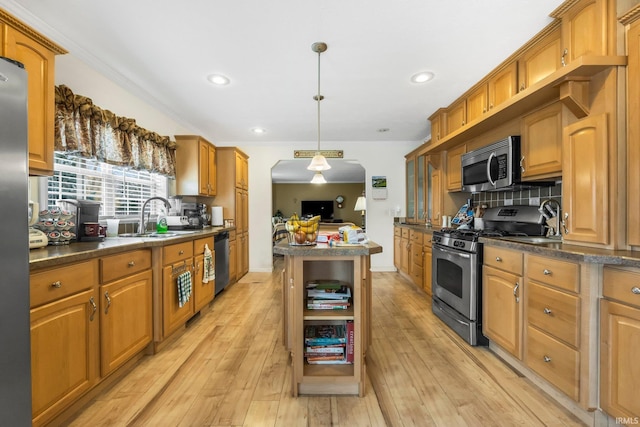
[[319, 99]]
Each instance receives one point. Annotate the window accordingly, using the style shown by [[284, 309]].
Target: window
[[120, 190]]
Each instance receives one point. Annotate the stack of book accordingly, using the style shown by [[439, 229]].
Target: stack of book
[[329, 344], [327, 295]]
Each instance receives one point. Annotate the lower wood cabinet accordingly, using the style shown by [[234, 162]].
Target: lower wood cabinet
[[64, 337], [426, 264], [204, 292], [620, 343]]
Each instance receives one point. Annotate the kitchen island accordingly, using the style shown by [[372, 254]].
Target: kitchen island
[[346, 266]]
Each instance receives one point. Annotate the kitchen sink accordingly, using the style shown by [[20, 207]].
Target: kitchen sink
[[535, 240], [158, 235]]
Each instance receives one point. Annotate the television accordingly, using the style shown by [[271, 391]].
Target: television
[[324, 208]]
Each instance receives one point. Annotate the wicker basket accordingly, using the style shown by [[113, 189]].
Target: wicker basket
[[309, 227]]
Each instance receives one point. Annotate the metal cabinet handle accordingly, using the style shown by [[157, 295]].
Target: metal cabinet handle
[[57, 284], [522, 164], [635, 290], [565, 52], [95, 308], [515, 292], [565, 223], [546, 272], [131, 263], [498, 259], [106, 296], [547, 311], [546, 359]]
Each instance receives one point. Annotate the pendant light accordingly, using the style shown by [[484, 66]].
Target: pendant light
[[318, 178], [318, 163]]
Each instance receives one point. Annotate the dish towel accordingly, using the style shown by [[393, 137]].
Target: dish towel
[[208, 273], [184, 288]]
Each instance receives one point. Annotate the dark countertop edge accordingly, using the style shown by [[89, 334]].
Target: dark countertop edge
[[322, 249], [571, 252], [418, 227], [50, 256]]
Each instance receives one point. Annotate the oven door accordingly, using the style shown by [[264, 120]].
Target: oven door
[[455, 276]]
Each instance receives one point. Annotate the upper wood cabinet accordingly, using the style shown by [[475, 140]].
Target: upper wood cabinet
[[541, 143], [585, 180], [410, 176], [195, 166], [456, 116], [588, 28], [454, 167], [477, 103], [438, 129], [540, 59], [37, 54], [503, 85], [633, 133], [435, 188], [242, 171]]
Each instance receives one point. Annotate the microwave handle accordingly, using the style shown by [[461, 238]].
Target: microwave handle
[[491, 181]]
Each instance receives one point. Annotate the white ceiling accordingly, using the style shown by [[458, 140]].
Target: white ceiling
[[163, 51]]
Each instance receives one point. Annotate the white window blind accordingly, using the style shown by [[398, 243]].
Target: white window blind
[[121, 191]]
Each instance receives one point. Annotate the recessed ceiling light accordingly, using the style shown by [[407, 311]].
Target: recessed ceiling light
[[258, 130], [383, 130], [422, 77], [218, 79]]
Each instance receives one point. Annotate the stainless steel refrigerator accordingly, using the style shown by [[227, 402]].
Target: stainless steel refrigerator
[[15, 342]]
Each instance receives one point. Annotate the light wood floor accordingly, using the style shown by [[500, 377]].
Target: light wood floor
[[230, 368]]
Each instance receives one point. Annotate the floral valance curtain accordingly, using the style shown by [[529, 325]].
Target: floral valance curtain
[[86, 130]]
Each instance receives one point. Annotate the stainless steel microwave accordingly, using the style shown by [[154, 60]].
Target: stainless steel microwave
[[492, 168]]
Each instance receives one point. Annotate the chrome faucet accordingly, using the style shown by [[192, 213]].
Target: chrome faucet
[[142, 227], [553, 221]]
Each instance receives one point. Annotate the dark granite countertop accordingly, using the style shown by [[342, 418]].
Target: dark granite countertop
[[50, 256], [323, 249]]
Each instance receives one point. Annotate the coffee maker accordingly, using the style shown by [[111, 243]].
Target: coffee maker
[[196, 213], [87, 228]]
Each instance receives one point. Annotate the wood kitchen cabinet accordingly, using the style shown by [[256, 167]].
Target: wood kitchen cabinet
[[427, 255], [233, 257], [203, 292], [541, 143], [503, 85], [177, 259], [435, 188], [454, 167], [64, 303], [502, 304], [542, 58], [126, 319], [416, 253], [37, 54], [233, 196], [416, 185], [633, 132], [553, 322], [405, 258], [410, 174], [195, 150], [438, 125], [456, 116], [585, 180], [620, 342], [397, 247]]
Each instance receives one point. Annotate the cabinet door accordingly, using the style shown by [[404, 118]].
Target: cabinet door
[[397, 252], [411, 187], [438, 130], [40, 66], [633, 133], [456, 116], [406, 255], [125, 319], [503, 86], [203, 292], [585, 30], [585, 180], [203, 168], [454, 168], [242, 255], [64, 353], [619, 348], [426, 267], [242, 210], [174, 316], [539, 61], [502, 309], [233, 270], [421, 183], [436, 196], [542, 143], [242, 172], [477, 103]]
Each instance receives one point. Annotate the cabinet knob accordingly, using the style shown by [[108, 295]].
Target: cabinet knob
[[181, 253], [57, 284], [131, 263], [565, 52], [635, 290], [498, 259], [491, 106], [522, 86], [546, 359], [546, 272], [547, 311]]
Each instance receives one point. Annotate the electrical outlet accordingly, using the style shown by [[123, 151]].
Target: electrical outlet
[[534, 201], [508, 202]]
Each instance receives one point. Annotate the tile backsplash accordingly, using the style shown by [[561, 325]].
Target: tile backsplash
[[523, 197]]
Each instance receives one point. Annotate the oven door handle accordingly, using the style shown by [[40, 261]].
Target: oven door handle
[[457, 320], [491, 181], [459, 254]]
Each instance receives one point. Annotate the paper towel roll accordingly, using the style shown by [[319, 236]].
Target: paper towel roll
[[216, 216]]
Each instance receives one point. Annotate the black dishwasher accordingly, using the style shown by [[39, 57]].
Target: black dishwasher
[[221, 247]]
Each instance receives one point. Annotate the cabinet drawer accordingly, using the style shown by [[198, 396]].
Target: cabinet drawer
[[504, 259], [561, 274], [622, 285], [416, 236], [198, 245], [555, 312], [405, 233], [232, 235], [397, 231], [117, 266], [177, 252], [55, 283], [417, 255], [554, 361], [416, 275]]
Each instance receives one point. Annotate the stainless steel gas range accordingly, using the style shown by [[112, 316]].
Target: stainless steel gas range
[[457, 266]]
